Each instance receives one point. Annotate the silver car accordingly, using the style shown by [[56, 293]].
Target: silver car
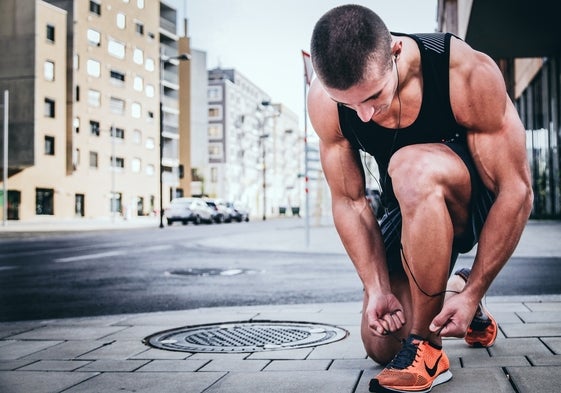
[[188, 209]]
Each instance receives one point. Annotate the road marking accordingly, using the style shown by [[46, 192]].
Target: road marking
[[90, 256], [108, 254]]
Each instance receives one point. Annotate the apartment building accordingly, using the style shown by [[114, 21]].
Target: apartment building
[[84, 81], [524, 38], [255, 147]]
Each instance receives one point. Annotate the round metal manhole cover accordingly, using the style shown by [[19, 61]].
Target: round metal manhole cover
[[253, 336]]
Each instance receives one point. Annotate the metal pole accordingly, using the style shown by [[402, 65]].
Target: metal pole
[[113, 170], [5, 165], [264, 173], [161, 144], [306, 177]]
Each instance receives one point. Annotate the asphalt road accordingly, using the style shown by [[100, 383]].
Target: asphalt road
[[56, 275]]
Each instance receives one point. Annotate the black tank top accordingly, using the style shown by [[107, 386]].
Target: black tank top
[[435, 122]]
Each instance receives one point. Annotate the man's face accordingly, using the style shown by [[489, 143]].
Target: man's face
[[370, 98]]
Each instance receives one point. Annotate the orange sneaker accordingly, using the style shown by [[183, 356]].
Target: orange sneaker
[[417, 367], [483, 329]]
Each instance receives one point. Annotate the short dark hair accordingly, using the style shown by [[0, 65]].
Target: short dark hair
[[344, 40]]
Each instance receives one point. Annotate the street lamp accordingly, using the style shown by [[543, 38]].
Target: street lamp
[[163, 61]]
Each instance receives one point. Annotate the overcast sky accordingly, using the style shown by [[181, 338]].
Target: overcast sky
[[263, 39]]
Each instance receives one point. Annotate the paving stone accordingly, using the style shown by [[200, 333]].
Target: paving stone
[[36, 381], [116, 350], [495, 361], [477, 380], [349, 348], [519, 346], [113, 365], [298, 365], [544, 306], [499, 307], [289, 354], [147, 383], [68, 333], [153, 353], [553, 343], [19, 349], [531, 329], [9, 365], [55, 365], [235, 365], [67, 350], [337, 381], [355, 364], [540, 316], [545, 360], [535, 379], [173, 366], [8, 329]]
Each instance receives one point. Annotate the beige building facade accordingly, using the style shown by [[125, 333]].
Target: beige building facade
[[88, 142]]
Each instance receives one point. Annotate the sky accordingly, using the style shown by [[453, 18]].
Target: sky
[[263, 39]]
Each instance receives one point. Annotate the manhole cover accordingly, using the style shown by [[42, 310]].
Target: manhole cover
[[203, 272], [253, 336]]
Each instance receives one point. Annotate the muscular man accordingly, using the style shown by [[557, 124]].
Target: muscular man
[[451, 153]]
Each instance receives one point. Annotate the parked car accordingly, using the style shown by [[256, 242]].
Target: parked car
[[221, 213], [240, 213], [188, 209]]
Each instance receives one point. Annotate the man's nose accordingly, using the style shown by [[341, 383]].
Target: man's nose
[[365, 112]]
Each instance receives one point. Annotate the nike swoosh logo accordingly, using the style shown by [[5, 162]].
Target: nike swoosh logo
[[432, 371]]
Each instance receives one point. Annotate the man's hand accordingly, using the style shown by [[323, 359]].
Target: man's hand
[[455, 317], [384, 314]]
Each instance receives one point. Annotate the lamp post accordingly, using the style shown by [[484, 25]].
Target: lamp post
[[163, 61]]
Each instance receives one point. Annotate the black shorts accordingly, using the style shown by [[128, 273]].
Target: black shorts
[[481, 201]]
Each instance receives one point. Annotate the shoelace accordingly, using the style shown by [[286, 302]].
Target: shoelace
[[405, 356]]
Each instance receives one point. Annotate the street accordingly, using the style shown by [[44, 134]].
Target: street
[[92, 273]]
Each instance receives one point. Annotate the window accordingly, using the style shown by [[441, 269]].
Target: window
[[95, 7], [117, 78], [136, 110], [215, 131], [215, 112], [93, 68], [137, 83], [49, 107], [94, 98], [117, 162], [135, 165], [79, 202], [49, 70], [117, 132], [75, 158], [49, 145], [94, 127], [116, 202], [50, 33], [116, 48], [150, 143], [140, 4], [215, 93], [77, 93], [94, 37], [76, 125], [150, 170], [93, 159], [138, 56], [44, 201], [149, 90], [121, 20], [215, 150], [149, 64], [137, 137], [117, 105], [139, 28]]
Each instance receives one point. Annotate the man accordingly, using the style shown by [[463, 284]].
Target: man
[[451, 152]]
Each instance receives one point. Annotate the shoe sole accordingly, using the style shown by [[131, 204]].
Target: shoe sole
[[375, 387], [477, 344]]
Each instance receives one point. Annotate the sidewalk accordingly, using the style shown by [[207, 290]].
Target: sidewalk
[[106, 354]]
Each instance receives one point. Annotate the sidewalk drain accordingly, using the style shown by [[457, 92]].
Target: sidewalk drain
[[252, 336]]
